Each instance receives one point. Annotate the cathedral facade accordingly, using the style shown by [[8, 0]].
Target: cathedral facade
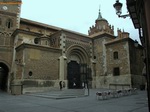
[[38, 56]]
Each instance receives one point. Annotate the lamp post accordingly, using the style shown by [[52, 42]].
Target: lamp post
[[118, 7]]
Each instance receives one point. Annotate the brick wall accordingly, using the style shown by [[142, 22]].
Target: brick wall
[[41, 63], [123, 57]]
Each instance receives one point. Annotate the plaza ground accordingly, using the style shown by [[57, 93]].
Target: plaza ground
[[33, 103]]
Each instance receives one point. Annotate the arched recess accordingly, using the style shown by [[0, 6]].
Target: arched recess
[[77, 53], [76, 56], [4, 71], [9, 23]]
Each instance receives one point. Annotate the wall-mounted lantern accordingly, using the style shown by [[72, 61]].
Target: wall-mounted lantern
[[118, 7]]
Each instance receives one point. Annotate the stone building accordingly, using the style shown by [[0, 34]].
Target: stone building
[[38, 56]]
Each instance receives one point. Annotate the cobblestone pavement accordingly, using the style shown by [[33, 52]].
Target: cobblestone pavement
[[31, 103]]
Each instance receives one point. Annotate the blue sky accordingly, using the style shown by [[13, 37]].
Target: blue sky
[[76, 15]]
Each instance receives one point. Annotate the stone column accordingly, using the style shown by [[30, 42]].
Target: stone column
[[62, 62], [62, 68], [62, 59]]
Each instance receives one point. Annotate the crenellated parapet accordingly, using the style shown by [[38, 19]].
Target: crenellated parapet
[[122, 34]]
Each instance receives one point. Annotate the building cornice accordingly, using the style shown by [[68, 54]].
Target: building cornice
[[101, 35], [122, 40], [26, 21], [35, 23], [117, 40], [8, 13], [75, 33], [39, 47], [17, 31]]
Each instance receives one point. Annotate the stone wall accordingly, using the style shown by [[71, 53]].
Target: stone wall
[[123, 57], [114, 82], [122, 62], [41, 65], [6, 54], [100, 54], [136, 64], [104, 49], [136, 58]]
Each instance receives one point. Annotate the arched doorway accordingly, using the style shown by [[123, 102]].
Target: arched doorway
[[74, 79], [3, 76], [76, 56]]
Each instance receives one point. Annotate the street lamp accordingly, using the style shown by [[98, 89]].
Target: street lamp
[[118, 7]]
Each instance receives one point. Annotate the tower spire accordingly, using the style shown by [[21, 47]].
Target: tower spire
[[99, 14]]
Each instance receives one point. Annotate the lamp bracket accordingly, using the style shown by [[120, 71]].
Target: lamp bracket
[[124, 16]]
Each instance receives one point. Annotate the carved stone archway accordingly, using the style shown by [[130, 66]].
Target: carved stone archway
[[76, 55]]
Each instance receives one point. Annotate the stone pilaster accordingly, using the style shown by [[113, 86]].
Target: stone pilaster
[[62, 62]]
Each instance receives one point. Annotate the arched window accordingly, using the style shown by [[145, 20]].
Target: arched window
[[9, 23], [115, 55]]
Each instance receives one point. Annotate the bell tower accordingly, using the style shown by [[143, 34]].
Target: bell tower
[[9, 22], [9, 15]]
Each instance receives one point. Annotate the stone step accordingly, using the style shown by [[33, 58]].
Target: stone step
[[61, 94], [73, 92], [38, 90]]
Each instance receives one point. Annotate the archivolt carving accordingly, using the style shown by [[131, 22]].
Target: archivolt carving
[[77, 53], [86, 46]]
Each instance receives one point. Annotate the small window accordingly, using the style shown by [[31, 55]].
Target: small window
[[46, 42], [30, 73], [9, 23], [116, 71], [115, 55]]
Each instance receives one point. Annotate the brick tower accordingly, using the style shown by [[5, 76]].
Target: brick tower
[[9, 22]]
